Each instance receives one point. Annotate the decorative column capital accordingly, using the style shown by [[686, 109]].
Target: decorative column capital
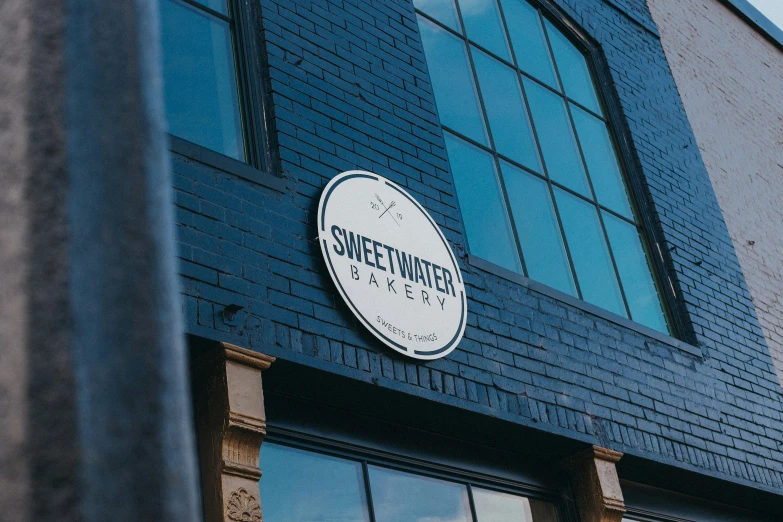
[[231, 423], [596, 484]]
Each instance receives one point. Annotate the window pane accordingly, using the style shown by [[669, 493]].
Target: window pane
[[543, 511], [484, 26], [572, 66], [558, 145], [537, 228], [483, 207], [635, 273], [506, 111], [202, 103], [221, 6], [601, 162], [403, 497], [452, 81], [301, 486], [589, 252], [493, 506], [527, 38], [443, 11]]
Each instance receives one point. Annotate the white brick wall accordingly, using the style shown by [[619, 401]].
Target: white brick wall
[[731, 82]]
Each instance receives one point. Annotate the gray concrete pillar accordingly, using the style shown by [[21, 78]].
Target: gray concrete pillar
[[93, 389], [39, 449]]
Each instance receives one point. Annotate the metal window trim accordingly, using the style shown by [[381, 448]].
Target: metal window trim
[[663, 271], [249, 55], [756, 20], [211, 158], [575, 302], [408, 464]]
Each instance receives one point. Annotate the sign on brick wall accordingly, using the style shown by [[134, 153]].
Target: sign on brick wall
[[392, 265]]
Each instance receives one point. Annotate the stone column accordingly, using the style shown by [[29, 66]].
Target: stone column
[[39, 448], [93, 391], [231, 425], [596, 485]]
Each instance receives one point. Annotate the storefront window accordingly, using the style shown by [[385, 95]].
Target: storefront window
[[308, 487], [305, 486]]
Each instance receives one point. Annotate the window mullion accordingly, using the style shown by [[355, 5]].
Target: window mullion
[[208, 10], [594, 201], [472, 503], [368, 491], [546, 176], [485, 117], [242, 53]]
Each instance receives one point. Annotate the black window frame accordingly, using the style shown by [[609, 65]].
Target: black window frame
[[680, 335], [565, 510], [249, 56]]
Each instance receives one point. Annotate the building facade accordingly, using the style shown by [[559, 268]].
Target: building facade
[[692, 402], [742, 152], [619, 352]]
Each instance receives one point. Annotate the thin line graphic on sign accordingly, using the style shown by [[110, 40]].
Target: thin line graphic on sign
[[386, 208]]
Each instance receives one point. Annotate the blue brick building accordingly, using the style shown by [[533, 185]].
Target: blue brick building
[[542, 374]]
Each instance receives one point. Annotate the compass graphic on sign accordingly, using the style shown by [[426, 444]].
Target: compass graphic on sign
[[402, 282]]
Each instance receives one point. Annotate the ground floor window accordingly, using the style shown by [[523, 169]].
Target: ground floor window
[[301, 485]]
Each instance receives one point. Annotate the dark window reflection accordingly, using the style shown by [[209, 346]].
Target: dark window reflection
[[200, 79], [301, 486], [404, 497]]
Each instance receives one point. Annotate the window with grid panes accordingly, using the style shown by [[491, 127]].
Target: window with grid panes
[[537, 176]]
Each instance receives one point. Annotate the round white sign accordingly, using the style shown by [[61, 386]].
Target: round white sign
[[392, 265]]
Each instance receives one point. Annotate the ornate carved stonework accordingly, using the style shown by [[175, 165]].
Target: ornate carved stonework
[[596, 484], [232, 424], [243, 507]]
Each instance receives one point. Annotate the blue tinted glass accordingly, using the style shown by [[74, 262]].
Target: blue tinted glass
[[200, 84], [404, 497], [506, 111], [561, 155], [537, 229], [635, 273], [601, 162], [527, 38], [301, 486], [483, 208], [589, 253], [452, 81], [484, 26], [221, 6], [493, 506], [444, 11], [574, 73]]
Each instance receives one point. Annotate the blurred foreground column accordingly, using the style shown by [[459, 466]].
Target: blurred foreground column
[[96, 421]]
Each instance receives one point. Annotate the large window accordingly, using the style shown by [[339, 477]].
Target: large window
[[203, 74], [303, 486], [537, 175]]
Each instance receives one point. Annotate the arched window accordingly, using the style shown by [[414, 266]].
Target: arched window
[[537, 175]]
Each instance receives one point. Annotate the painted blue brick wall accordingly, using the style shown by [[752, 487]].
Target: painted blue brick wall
[[350, 89]]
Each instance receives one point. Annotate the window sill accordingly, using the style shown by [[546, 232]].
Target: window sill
[[224, 163], [570, 300]]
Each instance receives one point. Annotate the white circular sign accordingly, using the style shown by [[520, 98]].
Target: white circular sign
[[392, 265]]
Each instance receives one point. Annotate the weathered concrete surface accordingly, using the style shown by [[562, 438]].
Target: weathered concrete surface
[[93, 397], [134, 405], [38, 442], [731, 82]]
